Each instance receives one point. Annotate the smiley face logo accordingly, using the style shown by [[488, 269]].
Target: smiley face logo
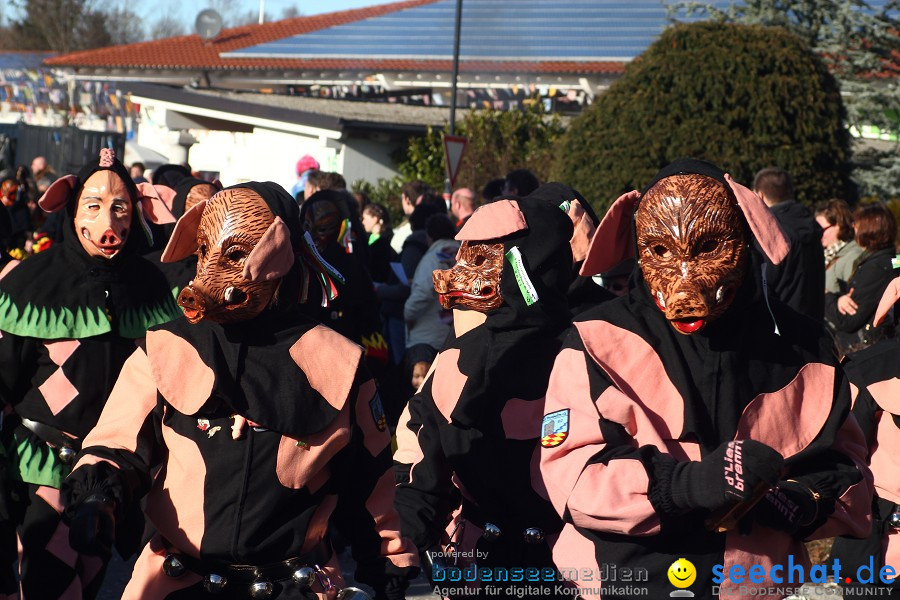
[[682, 573]]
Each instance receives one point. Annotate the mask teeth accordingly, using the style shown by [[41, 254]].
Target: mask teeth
[[660, 299], [476, 287], [720, 294], [229, 294]]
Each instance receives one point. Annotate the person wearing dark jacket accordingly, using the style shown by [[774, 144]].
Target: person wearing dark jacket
[[850, 315], [471, 430], [799, 280], [695, 418]]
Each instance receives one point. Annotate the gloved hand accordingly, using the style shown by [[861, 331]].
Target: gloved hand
[[788, 507], [93, 528], [725, 477]]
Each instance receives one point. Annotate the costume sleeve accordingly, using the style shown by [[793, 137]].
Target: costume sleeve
[[365, 510], [596, 473], [18, 361], [119, 453], [868, 285], [426, 496]]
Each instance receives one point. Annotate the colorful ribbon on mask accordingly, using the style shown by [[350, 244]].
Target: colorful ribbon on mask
[[314, 268]]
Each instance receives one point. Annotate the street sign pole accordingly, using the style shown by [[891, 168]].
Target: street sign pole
[[448, 186]]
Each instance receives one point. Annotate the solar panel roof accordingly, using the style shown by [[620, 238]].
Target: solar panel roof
[[515, 30]]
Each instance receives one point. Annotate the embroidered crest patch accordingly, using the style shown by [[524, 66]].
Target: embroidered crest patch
[[555, 428], [378, 412]]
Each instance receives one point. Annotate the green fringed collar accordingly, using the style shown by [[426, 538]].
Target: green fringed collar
[[62, 293]]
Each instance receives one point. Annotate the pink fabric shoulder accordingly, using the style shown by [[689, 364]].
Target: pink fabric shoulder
[[181, 376], [888, 299], [493, 221], [330, 362]]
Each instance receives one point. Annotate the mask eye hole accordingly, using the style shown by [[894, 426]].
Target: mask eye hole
[[708, 246], [478, 260], [661, 251], [235, 255], [201, 250]]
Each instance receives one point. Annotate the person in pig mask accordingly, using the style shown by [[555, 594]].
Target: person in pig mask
[[692, 419], [69, 318], [266, 424], [471, 431]]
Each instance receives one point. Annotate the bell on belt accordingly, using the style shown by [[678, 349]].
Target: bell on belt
[[214, 584], [305, 577], [261, 589], [353, 593], [533, 535], [172, 566], [894, 520], [491, 532], [66, 454]]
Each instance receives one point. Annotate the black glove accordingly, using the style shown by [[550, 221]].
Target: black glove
[[724, 478], [394, 588], [789, 507], [93, 528]]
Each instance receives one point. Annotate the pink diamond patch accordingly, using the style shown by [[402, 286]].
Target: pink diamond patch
[[58, 391]]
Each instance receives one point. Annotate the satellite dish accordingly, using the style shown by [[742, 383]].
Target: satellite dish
[[208, 24]]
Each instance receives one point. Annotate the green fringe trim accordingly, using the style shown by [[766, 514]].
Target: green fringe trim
[[135, 321], [82, 322], [39, 464]]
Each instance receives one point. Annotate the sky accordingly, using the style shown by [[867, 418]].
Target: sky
[[188, 9]]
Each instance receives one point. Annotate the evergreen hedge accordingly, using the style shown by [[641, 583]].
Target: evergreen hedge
[[742, 97]]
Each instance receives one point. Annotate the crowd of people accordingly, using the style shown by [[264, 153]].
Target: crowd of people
[[234, 382]]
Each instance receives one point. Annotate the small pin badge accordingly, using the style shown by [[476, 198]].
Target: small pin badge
[[213, 431], [202, 424], [302, 444]]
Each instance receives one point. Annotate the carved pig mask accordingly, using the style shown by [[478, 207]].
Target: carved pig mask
[[692, 247], [474, 282], [201, 191], [103, 214], [243, 250]]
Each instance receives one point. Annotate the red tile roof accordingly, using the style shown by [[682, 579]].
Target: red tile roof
[[191, 52]]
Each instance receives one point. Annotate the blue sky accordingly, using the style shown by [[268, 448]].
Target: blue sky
[[189, 8]]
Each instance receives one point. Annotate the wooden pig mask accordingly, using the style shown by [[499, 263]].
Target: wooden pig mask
[[243, 250], [692, 247]]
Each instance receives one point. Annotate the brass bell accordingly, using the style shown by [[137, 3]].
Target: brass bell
[[533, 535], [214, 584], [894, 520], [491, 532], [66, 454], [353, 593], [305, 577], [172, 566], [261, 589]]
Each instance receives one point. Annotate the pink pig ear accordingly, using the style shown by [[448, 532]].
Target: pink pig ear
[[183, 242], [166, 194], [762, 222], [583, 232], [57, 195], [273, 256], [612, 242], [153, 206], [888, 299]]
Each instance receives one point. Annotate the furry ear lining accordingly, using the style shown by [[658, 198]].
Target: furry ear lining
[[57, 195], [183, 242], [153, 204], [584, 230], [612, 241], [763, 224], [273, 255]]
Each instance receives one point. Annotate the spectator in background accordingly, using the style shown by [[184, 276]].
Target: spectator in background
[[492, 190], [520, 182], [850, 315], [44, 174], [800, 278], [137, 172], [410, 196], [426, 322], [841, 250], [462, 205], [317, 180], [376, 220], [416, 244], [306, 164]]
